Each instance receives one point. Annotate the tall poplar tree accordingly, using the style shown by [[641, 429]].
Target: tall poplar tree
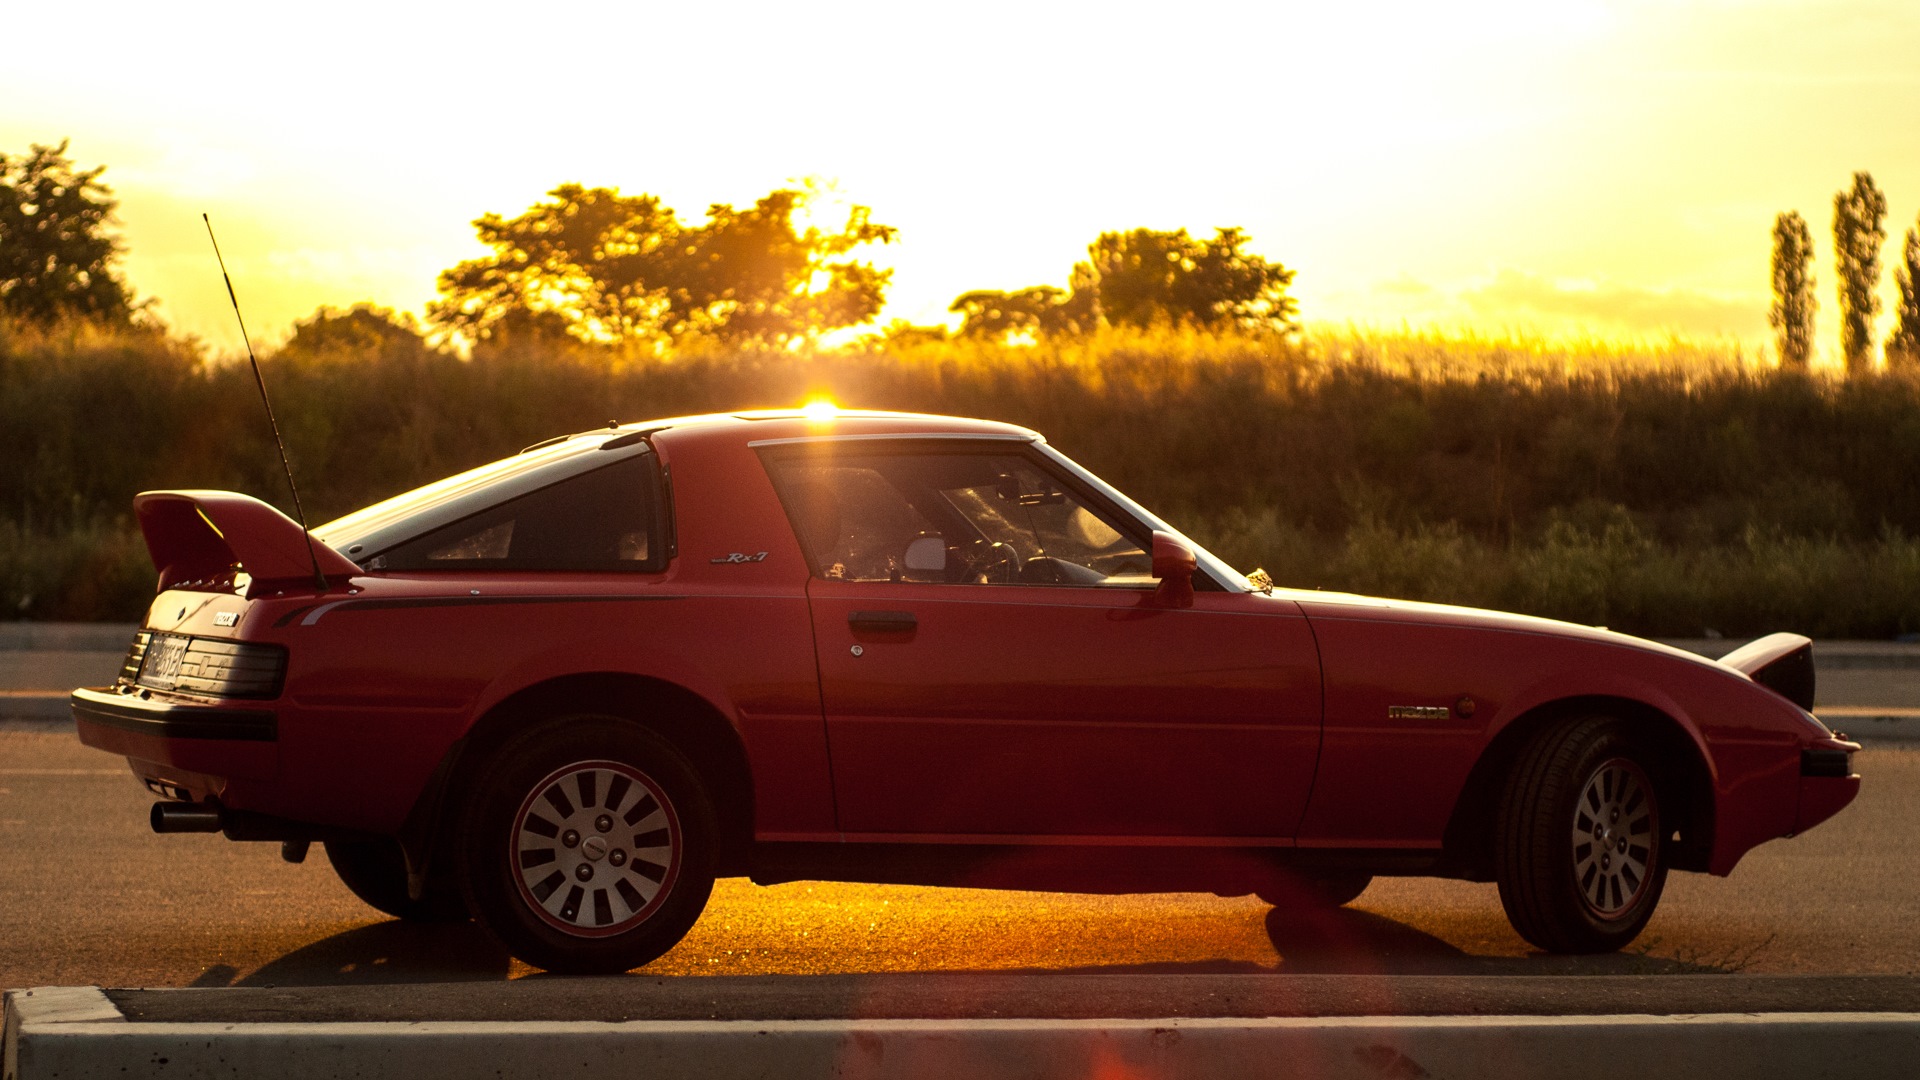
[[1793, 297], [1859, 228], [1903, 345]]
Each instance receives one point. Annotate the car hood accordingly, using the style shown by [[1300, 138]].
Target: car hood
[[1356, 606]]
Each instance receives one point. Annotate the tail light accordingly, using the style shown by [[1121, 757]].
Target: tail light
[[209, 666]]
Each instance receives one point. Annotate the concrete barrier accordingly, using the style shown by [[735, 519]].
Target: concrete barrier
[[67, 1032]]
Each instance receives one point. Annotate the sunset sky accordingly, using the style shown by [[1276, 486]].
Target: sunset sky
[[1599, 166]]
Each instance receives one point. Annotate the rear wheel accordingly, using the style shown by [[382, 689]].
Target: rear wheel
[[376, 872], [1579, 854], [590, 846]]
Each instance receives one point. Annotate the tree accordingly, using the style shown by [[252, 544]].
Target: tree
[[56, 248], [1903, 346], [1859, 228], [362, 332], [1145, 276], [618, 268], [1793, 296], [1035, 311]]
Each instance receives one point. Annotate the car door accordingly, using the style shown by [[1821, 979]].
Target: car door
[[994, 663]]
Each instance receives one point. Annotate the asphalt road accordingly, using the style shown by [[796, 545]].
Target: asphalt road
[[89, 895]]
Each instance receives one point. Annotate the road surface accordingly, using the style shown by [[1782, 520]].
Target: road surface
[[89, 895]]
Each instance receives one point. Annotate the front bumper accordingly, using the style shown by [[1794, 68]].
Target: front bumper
[[1827, 782]]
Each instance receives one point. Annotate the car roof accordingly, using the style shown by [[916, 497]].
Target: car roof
[[780, 425]]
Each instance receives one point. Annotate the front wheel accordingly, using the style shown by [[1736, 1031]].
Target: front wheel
[[1579, 854], [590, 846]]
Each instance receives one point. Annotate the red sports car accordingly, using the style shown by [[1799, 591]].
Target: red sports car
[[562, 692]]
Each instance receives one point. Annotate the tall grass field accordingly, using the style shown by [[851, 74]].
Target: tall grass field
[[1673, 489]]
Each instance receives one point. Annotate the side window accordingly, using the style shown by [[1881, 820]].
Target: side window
[[606, 519], [854, 522], [954, 517]]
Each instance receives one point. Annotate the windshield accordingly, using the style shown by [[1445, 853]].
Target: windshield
[[1216, 567]]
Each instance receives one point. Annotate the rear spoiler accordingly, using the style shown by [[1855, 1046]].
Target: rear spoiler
[[204, 538], [1783, 663]]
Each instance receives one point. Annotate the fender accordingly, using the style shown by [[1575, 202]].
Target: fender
[[1562, 685], [596, 655]]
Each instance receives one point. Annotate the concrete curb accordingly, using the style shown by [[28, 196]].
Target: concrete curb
[[64, 1032]]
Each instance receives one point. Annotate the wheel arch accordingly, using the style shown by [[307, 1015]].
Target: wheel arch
[[689, 721], [1682, 777]]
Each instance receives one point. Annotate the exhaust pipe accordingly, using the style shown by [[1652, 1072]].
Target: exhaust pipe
[[173, 817]]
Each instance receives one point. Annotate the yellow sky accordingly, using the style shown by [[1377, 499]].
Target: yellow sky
[[1603, 165]]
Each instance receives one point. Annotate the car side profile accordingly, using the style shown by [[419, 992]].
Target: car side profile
[[563, 692]]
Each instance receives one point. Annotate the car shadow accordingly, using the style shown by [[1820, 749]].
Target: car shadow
[[1351, 941], [382, 953], [1343, 941]]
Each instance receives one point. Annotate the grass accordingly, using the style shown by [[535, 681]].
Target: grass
[[1664, 488]]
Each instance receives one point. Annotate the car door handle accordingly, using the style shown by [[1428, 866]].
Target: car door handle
[[883, 622]]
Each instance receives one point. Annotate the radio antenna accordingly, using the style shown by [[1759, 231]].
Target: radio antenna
[[319, 578]]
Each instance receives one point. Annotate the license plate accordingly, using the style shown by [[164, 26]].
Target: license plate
[[162, 666]]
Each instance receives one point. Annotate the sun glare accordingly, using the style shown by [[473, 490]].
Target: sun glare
[[819, 410]]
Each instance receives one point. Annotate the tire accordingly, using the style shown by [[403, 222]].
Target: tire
[[590, 846], [376, 872], [1316, 889], [1579, 853]]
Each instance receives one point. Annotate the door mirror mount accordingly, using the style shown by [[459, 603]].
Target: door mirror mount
[[1174, 565]]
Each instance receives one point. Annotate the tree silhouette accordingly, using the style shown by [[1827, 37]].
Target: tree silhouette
[[1143, 278], [1859, 228], [616, 268], [363, 331], [56, 250], [1034, 311], [1903, 345], [1793, 296]]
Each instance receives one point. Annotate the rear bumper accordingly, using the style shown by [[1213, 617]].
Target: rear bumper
[[174, 719], [195, 746]]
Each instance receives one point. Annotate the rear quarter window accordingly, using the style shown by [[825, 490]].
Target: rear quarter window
[[609, 519]]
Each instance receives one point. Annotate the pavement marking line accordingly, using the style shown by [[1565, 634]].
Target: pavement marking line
[[65, 772], [1761, 1046]]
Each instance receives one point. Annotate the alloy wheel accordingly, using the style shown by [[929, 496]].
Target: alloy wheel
[[596, 847], [1613, 837]]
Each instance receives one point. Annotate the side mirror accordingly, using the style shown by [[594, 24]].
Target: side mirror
[[927, 553], [1174, 564]]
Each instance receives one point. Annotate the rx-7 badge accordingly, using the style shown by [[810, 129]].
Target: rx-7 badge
[[737, 557]]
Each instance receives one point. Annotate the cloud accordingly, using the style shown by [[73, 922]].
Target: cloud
[[1405, 287], [1519, 297]]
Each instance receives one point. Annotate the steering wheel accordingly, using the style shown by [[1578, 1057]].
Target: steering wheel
[[991, 562]]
